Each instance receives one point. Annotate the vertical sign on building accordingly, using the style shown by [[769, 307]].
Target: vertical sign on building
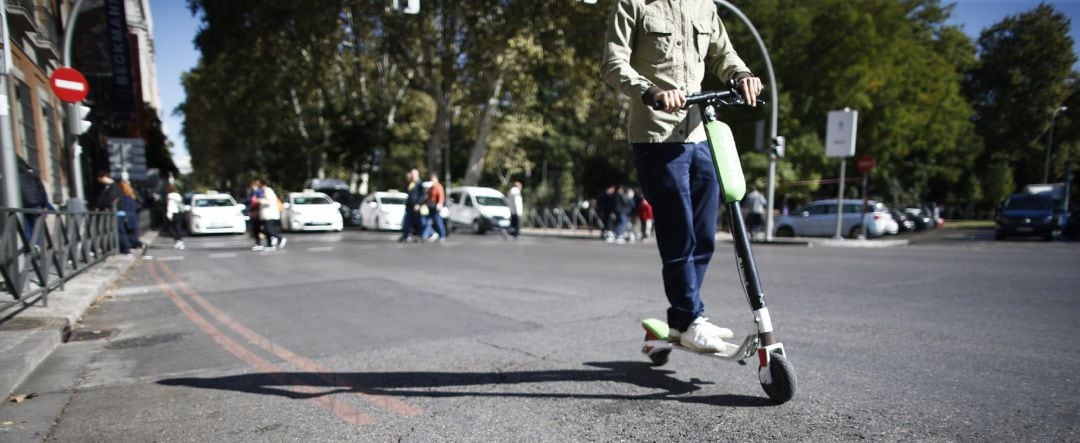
[[123, 94]]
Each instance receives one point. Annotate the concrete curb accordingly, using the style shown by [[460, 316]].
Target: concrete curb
[[726, 237], [31, 336]]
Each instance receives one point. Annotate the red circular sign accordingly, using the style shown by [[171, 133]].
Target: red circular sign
[[69, 84], [865, 163]]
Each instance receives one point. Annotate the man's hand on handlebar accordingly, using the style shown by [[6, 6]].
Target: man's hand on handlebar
[[749, 88], [670, 101]]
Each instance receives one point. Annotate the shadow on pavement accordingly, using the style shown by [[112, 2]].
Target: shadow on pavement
[[428, 384]]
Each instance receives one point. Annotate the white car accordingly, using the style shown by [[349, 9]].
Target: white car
[[311, 211], [383, 210], [479, 209], [214, 213], [818, 219]]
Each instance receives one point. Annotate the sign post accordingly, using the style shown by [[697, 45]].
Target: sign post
[[840, 142], [865, 164]]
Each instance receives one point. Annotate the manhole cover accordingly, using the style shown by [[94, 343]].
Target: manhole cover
[[144, 341]]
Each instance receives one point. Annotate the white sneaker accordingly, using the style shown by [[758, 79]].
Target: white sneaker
[[434, 237], [179, 244], [703, 336], [281, 243]]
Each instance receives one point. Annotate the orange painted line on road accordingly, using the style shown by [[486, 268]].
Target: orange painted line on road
[[391, 404], [343, 410]]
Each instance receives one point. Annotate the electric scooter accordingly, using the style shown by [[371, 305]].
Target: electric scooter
[[775, 373]]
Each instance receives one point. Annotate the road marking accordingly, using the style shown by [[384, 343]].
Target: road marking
[[343, 410], [327, 374], [321, 249], [171, 258], [223, 255]]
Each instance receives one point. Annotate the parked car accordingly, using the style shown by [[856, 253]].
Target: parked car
[[920, 217], [214, 213], [383, 210], [337, 190], [903, 222], [479, 209], [818, 219], [311, 211], [1030, 215]]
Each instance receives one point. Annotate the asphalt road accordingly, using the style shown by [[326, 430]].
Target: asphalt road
[[353, 336]]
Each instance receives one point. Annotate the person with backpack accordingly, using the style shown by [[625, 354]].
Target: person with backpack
[[127, 210], [173, 220], [270, 214]]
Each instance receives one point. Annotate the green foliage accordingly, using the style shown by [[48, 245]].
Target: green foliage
[[290, 89]]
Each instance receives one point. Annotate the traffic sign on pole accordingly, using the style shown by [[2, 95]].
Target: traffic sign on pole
[[69, 84], [865, 163]]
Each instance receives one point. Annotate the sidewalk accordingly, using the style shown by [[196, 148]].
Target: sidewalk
[[31, 336]]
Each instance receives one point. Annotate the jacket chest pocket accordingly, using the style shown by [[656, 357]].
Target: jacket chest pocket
[[655, 40], [703, 34]]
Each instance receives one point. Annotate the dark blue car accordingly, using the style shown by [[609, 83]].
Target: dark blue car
[[1030, 215]]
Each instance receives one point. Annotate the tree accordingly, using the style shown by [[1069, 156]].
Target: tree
[[1023, 75]]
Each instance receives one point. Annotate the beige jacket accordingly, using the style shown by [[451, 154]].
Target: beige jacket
[[665, 45]]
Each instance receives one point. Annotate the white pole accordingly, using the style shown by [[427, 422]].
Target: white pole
[[73, 117], [840, 200], [11, 194]]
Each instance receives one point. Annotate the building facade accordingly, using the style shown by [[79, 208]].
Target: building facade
[[41, 135]]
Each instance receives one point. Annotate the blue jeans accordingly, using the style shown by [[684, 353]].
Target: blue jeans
[[679, 181]]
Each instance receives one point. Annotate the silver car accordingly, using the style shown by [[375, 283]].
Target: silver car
[[818, 219]]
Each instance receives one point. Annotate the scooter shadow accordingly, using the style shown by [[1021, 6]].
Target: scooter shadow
[[448, 384]]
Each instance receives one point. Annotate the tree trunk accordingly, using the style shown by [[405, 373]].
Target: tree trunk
[[487, 122]]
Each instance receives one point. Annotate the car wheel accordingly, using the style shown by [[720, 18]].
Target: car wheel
[[477, 227], [855, 231], [785, 231]]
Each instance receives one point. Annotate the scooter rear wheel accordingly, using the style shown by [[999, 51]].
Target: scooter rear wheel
[[658, 357], [783, 383]]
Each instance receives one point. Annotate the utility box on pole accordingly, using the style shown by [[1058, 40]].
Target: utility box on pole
[[840, 142]]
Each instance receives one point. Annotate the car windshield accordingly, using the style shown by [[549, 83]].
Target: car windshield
[[392, 200], [1030, 202], [490, 201], [311, 201], [213, 202]]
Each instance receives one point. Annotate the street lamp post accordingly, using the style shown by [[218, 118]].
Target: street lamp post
[[1050, 144], [774, 106]]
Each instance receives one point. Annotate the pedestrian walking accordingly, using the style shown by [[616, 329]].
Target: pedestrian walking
[[622, 208], [754, 205], [645, 214], [416, 196], [109, 192], [436, 199], [254, 223], [173, 219], [655, 52], [517, 208], [270, 216], [127, 211], [34, 196], [604, 205]]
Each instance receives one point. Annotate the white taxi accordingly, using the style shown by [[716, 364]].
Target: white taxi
[[215, 213], [311, 211]]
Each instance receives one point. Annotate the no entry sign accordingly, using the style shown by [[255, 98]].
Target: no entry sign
[[865, 163], [69, 84]]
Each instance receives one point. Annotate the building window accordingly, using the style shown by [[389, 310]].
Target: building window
[[48, 116], [27, 125]]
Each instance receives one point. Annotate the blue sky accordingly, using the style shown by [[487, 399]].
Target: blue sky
[[175, 29]]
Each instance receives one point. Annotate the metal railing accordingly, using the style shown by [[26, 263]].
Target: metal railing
[[559, 218], [41, 250]]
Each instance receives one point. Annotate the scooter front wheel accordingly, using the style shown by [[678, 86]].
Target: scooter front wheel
[[659, 357], [782, 387]]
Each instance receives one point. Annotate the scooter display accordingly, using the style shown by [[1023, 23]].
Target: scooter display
[[775, 372]]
